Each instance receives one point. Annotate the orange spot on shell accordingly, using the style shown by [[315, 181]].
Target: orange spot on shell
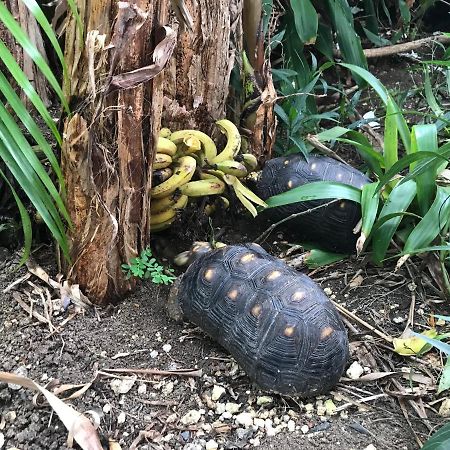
[[256, 311], [326, 332], [209, 274], [273, 275], [232, 295], [290, 184], [342, 205], [289, 331], [298, 295], [247, 258]]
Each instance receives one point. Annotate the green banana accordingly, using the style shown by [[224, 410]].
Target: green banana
[[232, 167], [202, 188], [163, 216], [162, 161], [163, 225], [166, 146], [249, 161], [161, 175], [192, 144], [183, 172], [175, 201], [209, 147], [165, 133], [233, 141]]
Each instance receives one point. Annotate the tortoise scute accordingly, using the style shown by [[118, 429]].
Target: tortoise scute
[[277, 323]]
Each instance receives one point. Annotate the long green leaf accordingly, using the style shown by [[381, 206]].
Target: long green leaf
[[390, 150], [384, 96], [22, 38], [398, 201], [424, 139], [316, 191], [429, 95], [306, 20], [25, 85], [25, 220], [432, 223], [440, 440], [369, 207], [319, 258]]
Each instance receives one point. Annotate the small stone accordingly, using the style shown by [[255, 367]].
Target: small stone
[[370, 447], [232, 408], [122, 385], [270, 431], [330, 407], [121, 418], [245, 419], [2, 440], [264, 400], [211, 445], [291, 425], [106, 408], [220, 408], [172, 418], [167, 388], [355, 370], [10, 416], [321, 410], [168, 437], [309, 407], [398, 319], [22, 371], [444, 410], [217, 392], [304, 429], [167, 348], [226, 415], [328, 291], [190, 418], [207, 427], [255, 442], [259, 422], [153, 354], [142, 389]]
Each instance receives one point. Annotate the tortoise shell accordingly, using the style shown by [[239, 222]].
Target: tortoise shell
[[329, 227], [277, 323]]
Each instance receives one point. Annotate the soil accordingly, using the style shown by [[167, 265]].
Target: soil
[[377, 414]]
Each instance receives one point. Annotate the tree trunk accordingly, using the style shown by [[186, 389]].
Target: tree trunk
[[109, 142]]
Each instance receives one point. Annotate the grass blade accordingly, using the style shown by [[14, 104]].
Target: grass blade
[[306, 20], [319, 258], [398, 201], [369, 207], [319, 190], [390, 150]]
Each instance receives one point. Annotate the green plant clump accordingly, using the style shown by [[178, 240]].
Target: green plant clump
[[145, 266]]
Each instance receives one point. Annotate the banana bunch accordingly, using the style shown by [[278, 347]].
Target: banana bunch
[[188, 165]]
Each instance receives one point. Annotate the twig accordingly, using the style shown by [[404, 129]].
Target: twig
[[401, 48], [312, 139], [361, 400], [28, 309], [362, 322], [181, 372], [15, 283], [269, 230]]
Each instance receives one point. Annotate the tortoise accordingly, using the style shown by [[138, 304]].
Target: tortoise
[[277, 323], [332, 226]]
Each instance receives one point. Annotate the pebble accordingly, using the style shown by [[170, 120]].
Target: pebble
[[220, 408], [232, 408], [304, 429], [444, 410], [270, 431], [142, 389], [264, 400], [167, 388], [167, 348], [255, 442], [259, 422], [121, 418], [190, 418], [2, 440], [328, 291], [291, 425], [22, 371], [370, 447], [122, 385], [153, 354], [355, 370], [245, 419], [211, 445], [217, 392], [106, 408], [172, 418]]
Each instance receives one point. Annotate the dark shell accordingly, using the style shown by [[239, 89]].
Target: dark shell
[[277, 323], [330, 227]]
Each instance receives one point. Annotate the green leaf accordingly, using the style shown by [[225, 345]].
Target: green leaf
[[440, 440], [306, 20], [429, 95], [370, 16], [390, 150], [399, 200], [432, 223], [384, 96], [441, 346], [316, 191], [319, 258], [369, 207], [444, 381], [22, 38], [10, 63]]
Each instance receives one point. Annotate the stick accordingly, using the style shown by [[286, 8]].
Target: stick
[[181, 372], [269, 230], [349, 314]]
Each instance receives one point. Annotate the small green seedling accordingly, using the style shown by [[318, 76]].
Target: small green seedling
[[145, 267]]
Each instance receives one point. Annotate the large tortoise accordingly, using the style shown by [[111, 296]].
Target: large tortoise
[[330, 227], [277, 323]]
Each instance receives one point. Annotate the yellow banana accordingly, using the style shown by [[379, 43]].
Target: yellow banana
[[161, 175], [221, 203], [162, 226], [192, 144], [202, 187], [171, 201], [210, 175], [183, 172], [207, 143], [232, 167], [165, 133], [162, 161], [163, 216], [166, 146], [233, 141], [249, 161]]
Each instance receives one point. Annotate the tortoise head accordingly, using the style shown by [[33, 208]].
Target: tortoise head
[[197, 250]]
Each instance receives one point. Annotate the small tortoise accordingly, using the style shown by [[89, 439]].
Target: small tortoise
[[277, 323], [330, 227]]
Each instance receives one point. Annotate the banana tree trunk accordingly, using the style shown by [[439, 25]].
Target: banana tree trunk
[[119, 103]]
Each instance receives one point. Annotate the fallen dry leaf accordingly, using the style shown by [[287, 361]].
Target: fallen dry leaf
[[412, 345]]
